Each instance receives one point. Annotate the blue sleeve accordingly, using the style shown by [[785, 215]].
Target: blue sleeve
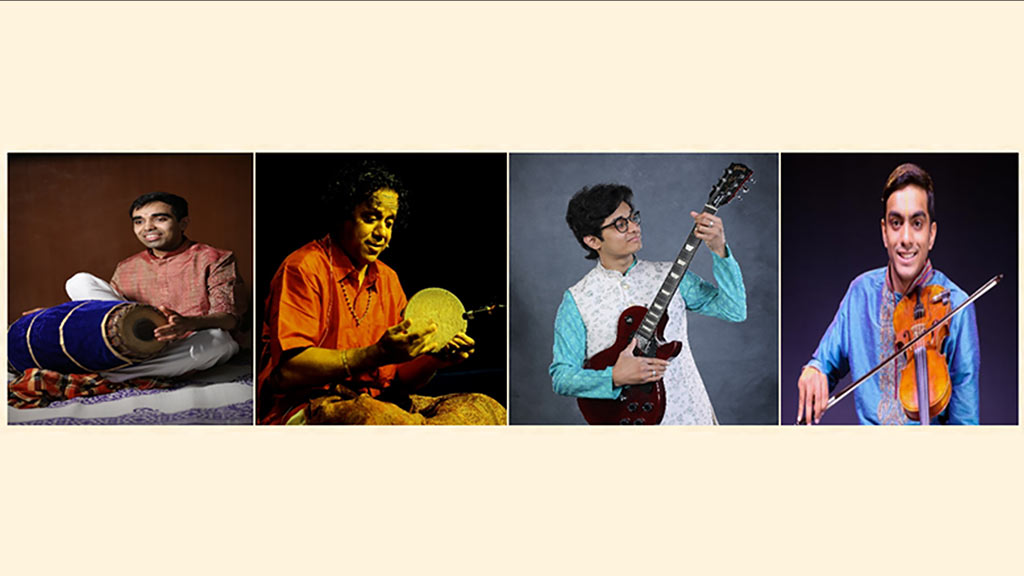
[[963, 355], [831, 357], [727, 301], [568, 377]]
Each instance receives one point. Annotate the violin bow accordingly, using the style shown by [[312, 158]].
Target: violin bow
[[837, 396]]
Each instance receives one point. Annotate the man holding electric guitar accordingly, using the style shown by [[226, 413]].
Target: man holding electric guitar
[[620, 342]]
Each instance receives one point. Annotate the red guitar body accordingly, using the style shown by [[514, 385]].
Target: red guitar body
[[638, 404]]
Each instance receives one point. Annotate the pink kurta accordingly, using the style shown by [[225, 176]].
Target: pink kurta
[[194, 280]]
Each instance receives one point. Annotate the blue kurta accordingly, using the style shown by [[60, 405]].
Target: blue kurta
[[853, 344]]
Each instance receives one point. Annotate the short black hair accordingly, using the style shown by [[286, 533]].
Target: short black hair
[[904, 175], [179, 206], [590, 206], [356, 183]]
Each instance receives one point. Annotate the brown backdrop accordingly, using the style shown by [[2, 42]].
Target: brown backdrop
[[69, 213]]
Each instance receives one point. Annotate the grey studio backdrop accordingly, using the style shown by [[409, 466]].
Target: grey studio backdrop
[[737, 361]]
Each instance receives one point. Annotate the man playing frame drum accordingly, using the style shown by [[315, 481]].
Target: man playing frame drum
[[336, 347]]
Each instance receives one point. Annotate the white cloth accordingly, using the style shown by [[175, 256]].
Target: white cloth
[[201, 350], [603, 294]]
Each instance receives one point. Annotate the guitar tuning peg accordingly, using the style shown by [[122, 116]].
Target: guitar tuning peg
[[745, 189], [752, 181]]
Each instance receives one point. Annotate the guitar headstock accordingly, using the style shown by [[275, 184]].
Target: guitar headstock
[[732, 180]]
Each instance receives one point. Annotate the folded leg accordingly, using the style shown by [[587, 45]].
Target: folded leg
[[475, 409], [203, 349], [361, 410], [85, 286]]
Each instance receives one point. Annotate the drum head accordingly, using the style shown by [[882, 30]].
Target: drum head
[[136, 330], [442, 307]]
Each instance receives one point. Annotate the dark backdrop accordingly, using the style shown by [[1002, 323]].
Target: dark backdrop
[[738, 362], [831, 232], [68, 213], [451, 234]]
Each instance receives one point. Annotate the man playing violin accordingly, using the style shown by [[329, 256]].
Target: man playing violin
[[862, 334], [604, 221]]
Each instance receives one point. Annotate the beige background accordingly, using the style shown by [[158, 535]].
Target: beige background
[[533, 77]]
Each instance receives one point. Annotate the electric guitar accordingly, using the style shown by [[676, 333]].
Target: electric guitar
[[645, 403]]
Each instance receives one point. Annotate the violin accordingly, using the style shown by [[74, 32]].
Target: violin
[[925, 332], [924, 384]]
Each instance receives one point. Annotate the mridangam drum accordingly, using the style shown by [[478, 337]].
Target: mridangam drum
[[85, 336]]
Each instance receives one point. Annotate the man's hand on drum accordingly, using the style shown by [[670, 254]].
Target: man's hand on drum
[[400, 344], [630, 369], [456, 350], [177, 326]]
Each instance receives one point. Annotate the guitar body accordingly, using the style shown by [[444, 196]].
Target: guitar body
[[638, 404]]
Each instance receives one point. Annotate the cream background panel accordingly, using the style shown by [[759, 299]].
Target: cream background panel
[[506, 77]]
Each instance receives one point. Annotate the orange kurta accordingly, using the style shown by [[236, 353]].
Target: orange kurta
[[307, 307]]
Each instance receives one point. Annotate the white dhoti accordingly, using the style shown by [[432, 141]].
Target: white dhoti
[[200, 350]]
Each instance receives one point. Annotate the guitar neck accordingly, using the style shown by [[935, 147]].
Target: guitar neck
[[645, 334]]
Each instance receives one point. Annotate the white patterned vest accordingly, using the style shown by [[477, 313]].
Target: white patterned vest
[[603, 294]]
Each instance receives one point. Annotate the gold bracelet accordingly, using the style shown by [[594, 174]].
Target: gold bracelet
[[344, 362]]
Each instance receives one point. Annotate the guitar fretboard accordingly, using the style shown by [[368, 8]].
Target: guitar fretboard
[[645, 334]]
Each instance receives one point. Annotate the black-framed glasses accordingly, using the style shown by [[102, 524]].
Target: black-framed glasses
[[622, 224]]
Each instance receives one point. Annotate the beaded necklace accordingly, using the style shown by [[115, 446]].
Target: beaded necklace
[[351, 308]]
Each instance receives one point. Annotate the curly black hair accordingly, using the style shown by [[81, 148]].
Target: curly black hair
[[590, 206], [355, 183]]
